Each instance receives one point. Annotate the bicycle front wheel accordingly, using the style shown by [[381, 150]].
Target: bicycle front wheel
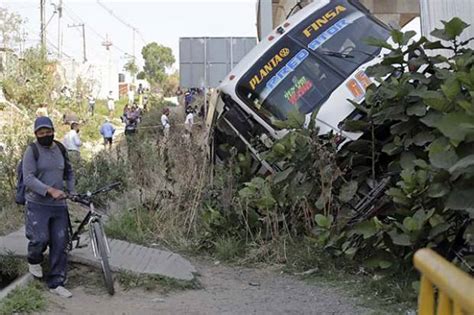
[[103, 256]]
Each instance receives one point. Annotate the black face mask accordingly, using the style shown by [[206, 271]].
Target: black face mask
[[46, 140]]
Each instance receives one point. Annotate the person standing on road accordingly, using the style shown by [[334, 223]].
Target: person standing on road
[[47, 218], [107, 131], [73, 144], [131, 96], [165, 122], [110, 103], [91, 102], [189, 121], [140, 92]]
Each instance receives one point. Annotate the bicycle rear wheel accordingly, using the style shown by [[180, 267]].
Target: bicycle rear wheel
[[104, 259]]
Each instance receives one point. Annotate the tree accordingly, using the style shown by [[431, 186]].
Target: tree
[[131, 67], [171, 84], [10, 26], [32, 81], [158, 59], [141, 75]]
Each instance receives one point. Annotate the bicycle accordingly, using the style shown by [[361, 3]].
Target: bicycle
[[98, 239]]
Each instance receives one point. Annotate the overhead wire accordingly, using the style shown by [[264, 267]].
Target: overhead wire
[[79, 32], [28, 28], [121, 20], [69, 12]]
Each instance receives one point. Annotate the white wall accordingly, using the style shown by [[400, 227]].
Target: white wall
[[102, 77], [433, 11]]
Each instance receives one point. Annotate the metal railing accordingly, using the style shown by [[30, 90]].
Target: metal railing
[[444, 288]]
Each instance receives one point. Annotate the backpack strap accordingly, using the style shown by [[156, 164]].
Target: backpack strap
[[67, 163], [62, 148], [35, 150]]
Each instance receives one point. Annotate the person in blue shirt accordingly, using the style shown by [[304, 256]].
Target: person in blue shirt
[[107, 131]]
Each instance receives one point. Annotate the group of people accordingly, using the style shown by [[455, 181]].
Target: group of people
[[131, 117], [188, 121]]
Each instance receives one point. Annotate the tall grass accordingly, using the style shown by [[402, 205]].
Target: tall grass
[[24, 300]]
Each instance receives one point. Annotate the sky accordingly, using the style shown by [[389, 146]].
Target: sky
[[161, 21]]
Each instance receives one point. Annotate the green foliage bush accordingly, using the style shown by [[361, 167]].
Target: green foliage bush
[[431, 119], [32, 81]]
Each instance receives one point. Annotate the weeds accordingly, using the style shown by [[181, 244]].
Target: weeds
[[24, 300], [11, 265], [134, 225], [229, 249], [11, 218]]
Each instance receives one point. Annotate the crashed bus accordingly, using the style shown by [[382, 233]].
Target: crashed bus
[[314, 62]]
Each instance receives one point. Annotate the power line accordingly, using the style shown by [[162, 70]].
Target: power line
[[36, 40], [78, 20], [55, 47], [121, 20]]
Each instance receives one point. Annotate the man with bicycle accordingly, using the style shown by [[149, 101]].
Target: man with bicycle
[[45, 170]]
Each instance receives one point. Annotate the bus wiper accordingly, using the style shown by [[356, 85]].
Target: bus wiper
[[337, 54]]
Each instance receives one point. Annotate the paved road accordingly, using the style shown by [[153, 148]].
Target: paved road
[[124, 256]]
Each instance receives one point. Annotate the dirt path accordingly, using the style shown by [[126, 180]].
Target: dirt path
[[225, 290]]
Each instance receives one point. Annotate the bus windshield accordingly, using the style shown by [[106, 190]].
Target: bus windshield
[[302, 69]]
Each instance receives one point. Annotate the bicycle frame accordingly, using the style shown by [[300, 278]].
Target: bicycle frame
[[91, 216], [98, 240]]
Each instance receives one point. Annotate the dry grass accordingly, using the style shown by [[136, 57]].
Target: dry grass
[[11, 219], [166, 183]]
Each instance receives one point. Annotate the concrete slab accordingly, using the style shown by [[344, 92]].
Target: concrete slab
[[124, 256]]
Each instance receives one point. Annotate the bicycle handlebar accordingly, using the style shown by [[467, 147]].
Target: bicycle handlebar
[[106, 188], [85, 199]]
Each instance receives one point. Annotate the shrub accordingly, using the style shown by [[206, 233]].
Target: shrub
[[430, 114]]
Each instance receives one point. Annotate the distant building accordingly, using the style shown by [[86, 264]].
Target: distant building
[[100, 78]]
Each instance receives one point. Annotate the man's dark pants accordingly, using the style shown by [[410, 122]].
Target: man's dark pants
[[48, 225]]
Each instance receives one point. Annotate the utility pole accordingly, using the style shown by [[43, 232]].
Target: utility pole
[[134, 30], [107, 43], [83, 39], [43, 26], [60, 15]]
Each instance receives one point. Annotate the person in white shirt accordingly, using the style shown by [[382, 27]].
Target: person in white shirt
[[131, 96], [189, 121], [91, 102], [165, 122], [111, 103], [73, 143]]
